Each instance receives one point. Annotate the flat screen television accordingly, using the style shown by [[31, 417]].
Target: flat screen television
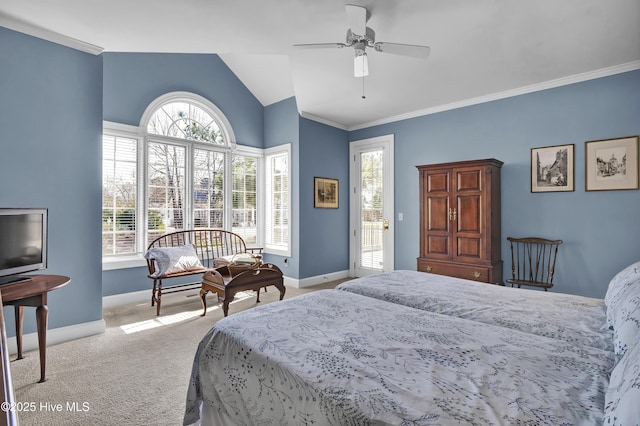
[[23, 243]]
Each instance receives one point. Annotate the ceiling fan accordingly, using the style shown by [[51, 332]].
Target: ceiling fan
[[359, 36]]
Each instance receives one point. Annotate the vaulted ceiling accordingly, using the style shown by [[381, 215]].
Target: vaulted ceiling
[[480, 50]]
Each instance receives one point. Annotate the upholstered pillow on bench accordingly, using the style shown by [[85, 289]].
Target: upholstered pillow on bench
[[174, 260]]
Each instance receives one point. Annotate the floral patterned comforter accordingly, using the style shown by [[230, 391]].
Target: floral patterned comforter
[[337, 358], [575, 319]]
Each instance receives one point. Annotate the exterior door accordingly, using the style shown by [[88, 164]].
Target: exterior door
[[371, 206]]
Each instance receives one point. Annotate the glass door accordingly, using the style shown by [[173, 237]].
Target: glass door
[[372, 206]]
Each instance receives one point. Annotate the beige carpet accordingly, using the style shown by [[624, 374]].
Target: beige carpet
[[136, 373]]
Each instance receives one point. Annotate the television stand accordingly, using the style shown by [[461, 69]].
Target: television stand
[[14, 279], [33, 293]]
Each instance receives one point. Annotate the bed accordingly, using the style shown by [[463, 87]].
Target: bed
[[576, 319], [337, 357]]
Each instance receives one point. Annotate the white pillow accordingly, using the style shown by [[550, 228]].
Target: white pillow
[[171, 260]]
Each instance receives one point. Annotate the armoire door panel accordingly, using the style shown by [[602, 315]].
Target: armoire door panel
[[468, 180], [438, 245], [469, 213], [438, 214], [469, 247], [437, 182]]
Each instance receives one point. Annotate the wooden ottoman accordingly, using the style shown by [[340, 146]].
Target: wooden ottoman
[[228, 280]]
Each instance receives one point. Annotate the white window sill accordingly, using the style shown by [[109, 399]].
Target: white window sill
[[122, 262], [276, 252]]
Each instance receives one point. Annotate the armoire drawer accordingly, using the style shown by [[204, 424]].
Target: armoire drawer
[[469, 272]]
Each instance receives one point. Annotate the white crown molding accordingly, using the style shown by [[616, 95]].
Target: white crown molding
[[21, 26], [322, 120], [564, 81]]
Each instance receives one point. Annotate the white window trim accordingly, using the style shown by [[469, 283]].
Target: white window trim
[[258, 154], [132, 260], [269, 152]]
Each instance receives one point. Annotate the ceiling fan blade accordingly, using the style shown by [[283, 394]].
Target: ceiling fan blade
[[413, 50], [319, 45], [357, 17]]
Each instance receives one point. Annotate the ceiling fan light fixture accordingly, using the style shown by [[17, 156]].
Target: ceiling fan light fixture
[[360, 37], [360, 65]]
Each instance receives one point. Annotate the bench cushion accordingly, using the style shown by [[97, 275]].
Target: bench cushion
[[240, 259], [173, 260]]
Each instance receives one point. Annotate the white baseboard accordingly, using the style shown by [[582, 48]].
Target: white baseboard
[[142, 296], [318, 279], [58, 335], [126, 298]]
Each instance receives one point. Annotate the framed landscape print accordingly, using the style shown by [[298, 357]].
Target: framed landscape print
[[552, 168], [325, 193], [611, 164]]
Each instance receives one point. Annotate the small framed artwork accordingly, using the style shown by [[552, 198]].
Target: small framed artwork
[[552, 168], [611, 164], [325, 192]]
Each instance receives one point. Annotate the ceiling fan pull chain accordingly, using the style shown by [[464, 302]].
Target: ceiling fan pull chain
[[363, 96]]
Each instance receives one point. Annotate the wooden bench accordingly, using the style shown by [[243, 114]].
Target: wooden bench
[[210, 245]]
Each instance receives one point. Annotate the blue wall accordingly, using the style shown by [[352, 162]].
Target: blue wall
[[599, 229], [324, 233], [282, 126], [51, 138], [319, 237], [133, 80]]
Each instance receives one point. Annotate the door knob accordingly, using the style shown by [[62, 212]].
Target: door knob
[[385, 224]]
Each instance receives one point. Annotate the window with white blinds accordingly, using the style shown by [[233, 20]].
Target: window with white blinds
[[278, 206], [119, 194], [244, 193], [208, 189], [166, 188]]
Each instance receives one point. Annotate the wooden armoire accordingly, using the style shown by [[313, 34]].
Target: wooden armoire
[[460, 220]]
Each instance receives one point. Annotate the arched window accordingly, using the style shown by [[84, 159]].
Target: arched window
[[185, 115], [185, 120]]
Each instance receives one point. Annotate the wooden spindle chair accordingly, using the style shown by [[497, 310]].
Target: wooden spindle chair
[[533, 261]]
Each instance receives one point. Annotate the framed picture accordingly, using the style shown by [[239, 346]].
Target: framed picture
[[611, 164], [552, 168], [325, 192]]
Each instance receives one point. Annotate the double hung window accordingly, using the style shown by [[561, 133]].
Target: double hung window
[[278, 206], [119, 194]]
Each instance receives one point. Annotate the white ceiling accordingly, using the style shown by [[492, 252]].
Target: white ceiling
[[480, 49]]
